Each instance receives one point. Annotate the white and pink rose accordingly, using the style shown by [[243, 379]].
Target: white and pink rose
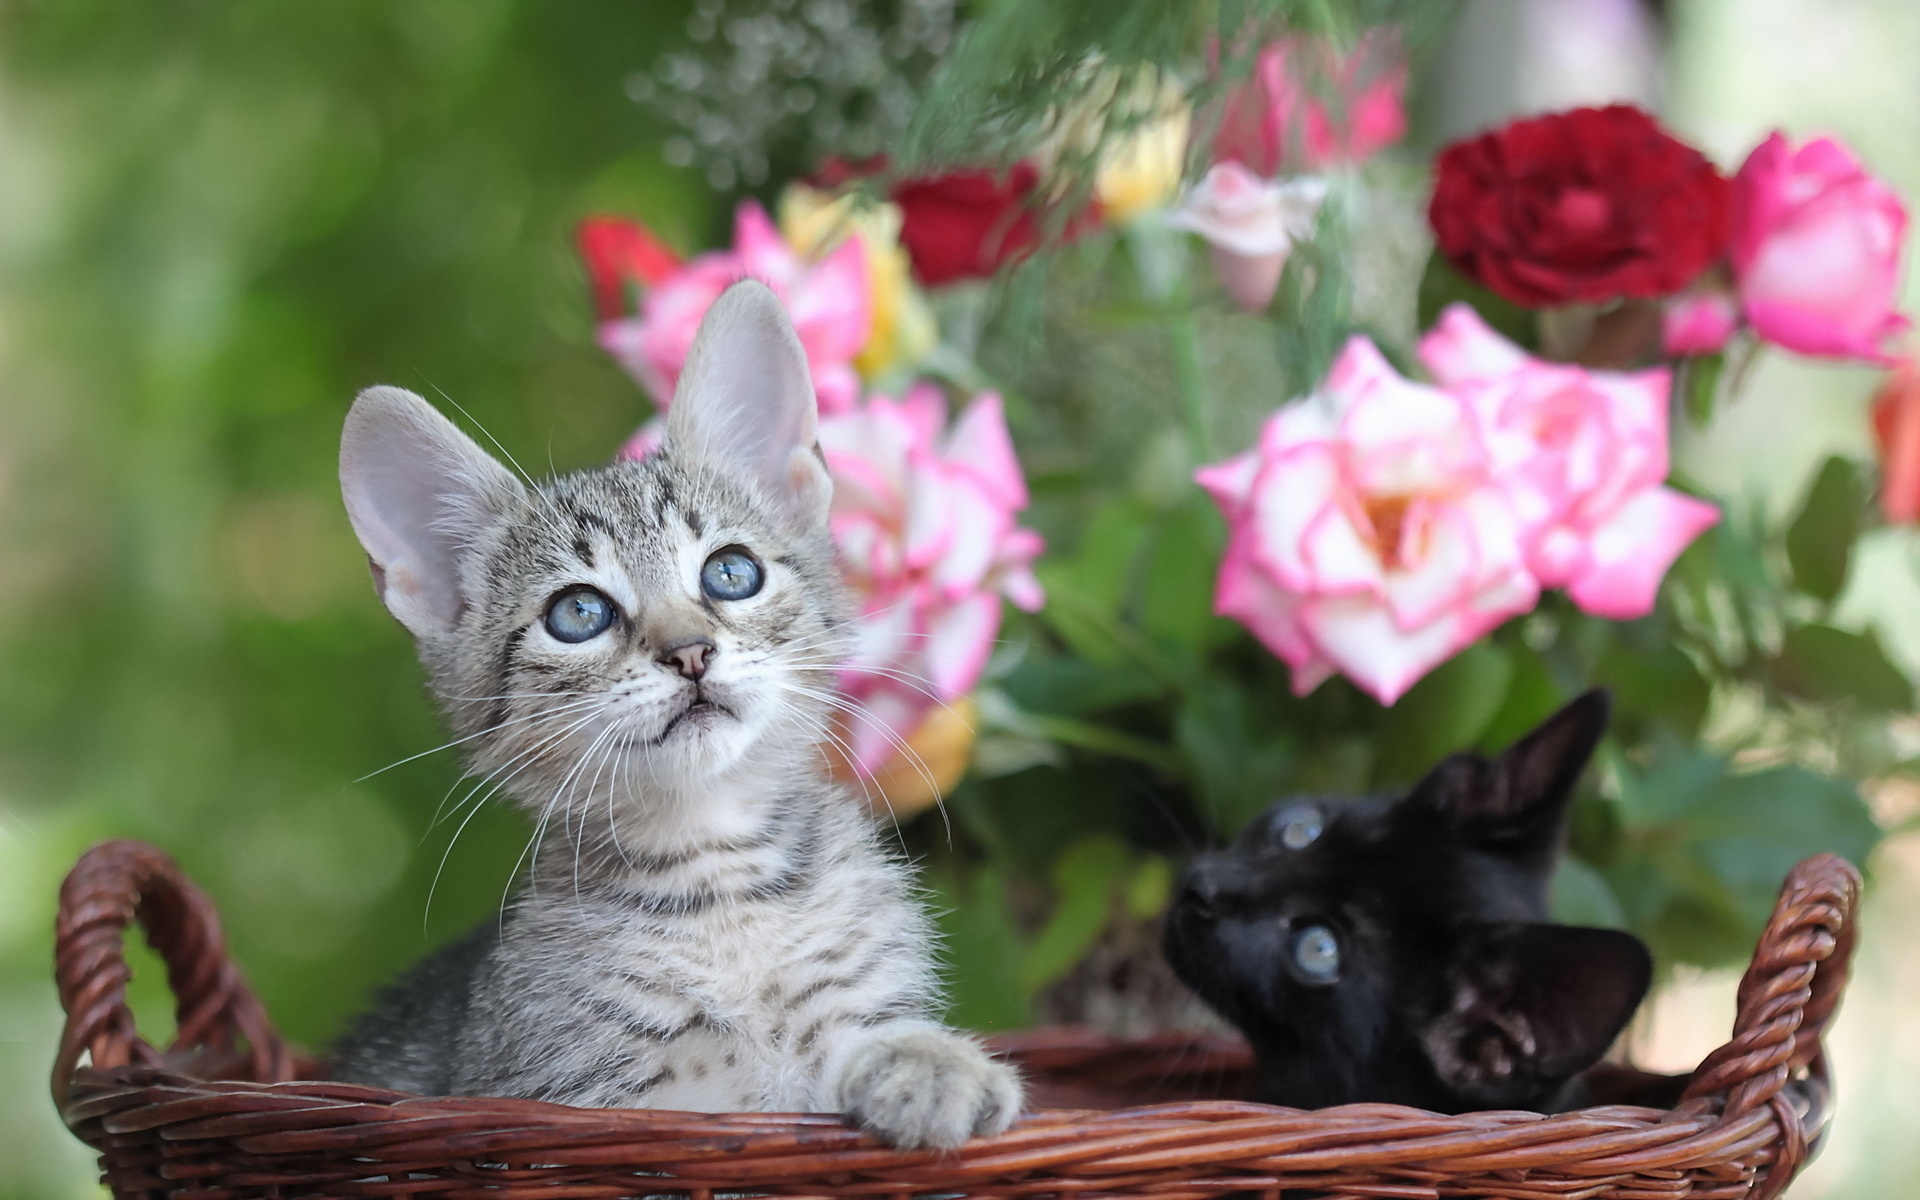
[[925, 521], [1369, 532], [1584, 457], [1381, 526]]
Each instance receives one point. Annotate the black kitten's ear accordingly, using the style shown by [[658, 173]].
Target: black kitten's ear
[[1541, 768], [1516, 804], [1531, 1006]]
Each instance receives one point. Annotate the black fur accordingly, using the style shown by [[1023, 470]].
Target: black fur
[[1452, 992]]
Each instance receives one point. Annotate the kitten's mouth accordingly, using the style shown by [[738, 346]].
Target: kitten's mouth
[[704, 713]]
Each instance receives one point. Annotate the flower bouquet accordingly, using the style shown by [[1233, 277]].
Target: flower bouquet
[[1196, 444]]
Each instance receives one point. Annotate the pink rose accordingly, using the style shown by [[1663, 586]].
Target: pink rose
[[1699, 322], [1584, 454], [923, 518], [1251, 225], [1369, 533], [1277, 122], [828, 300], [1816, 250]]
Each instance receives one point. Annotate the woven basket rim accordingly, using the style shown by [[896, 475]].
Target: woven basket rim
[[1752, 1112]]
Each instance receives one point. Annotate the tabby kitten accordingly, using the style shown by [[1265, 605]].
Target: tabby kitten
[[1399, 950], [642, 656]]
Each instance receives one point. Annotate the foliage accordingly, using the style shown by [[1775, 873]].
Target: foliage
[[219, 221]]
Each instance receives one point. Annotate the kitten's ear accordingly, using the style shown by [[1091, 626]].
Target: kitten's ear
[[1531, 1006], [1542, 768], [744, 404], [1516, 804], [418, 492]]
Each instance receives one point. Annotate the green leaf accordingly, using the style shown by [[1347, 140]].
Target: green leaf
[[1532, 696], [1151, 888], [1675, 785], [1820, 541], [1821, 663], [1449, 710], [1212, 730], [1700, 384], [1102, 565], [1085, 590], [979, 937], [1581, 896], [1441, 285], [1652, 682], [1176, 601], [1752, 829], [1085, 880], [1074, 686]]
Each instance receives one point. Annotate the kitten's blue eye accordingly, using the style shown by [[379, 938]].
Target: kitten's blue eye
[[1316, 954], [1301, 826], [731, 575], [579, 613]]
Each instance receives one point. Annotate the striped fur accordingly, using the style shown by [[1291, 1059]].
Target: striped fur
[[708, 922]]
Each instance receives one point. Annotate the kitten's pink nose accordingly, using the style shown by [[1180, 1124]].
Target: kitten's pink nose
[[689, 658]]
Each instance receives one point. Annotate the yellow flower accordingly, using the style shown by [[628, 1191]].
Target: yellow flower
[[1141, 170], [814, 222], [907, 783], [1134, 123]]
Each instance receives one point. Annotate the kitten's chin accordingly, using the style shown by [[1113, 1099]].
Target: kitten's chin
[[705, 739]]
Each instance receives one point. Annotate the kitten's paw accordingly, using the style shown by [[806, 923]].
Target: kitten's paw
[[921, 1087]]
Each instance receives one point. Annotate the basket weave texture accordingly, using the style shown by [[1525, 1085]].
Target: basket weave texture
[[221, 1113]]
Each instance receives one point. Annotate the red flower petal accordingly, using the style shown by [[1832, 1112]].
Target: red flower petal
[[1582, 206], [619, 252]]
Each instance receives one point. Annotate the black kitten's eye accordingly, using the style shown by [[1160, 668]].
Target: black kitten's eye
[[731, 574], [1316, 954], [1300, 826], [579, 613]]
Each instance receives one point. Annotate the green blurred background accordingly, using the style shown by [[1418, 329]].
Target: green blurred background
[[220, 219]]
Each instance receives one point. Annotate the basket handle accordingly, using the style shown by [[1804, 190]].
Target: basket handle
[[1790, 989], [1785, 1000], [113, 885]]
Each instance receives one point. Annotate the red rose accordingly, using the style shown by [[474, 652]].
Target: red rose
[[619, 253], [1588, 205], [969, 224]]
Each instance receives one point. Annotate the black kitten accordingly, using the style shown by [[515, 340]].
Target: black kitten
[[1379, 950]]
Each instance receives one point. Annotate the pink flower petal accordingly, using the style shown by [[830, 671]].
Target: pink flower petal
[[645, 442], [980, 443], [1699, 322], [1359, 636], [1445, 573], [978, 524], [1816, 249], [1462, 348], [1289, 497], [959, 641], [1630, 554], [1270, 613], [1230, 482]]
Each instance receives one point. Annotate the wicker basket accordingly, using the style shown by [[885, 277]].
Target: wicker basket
[[222, 1112]]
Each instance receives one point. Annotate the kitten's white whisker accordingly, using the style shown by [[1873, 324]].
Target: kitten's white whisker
[[459, 741], [918, 683], [474, 421], [899, 743], [530, 755]]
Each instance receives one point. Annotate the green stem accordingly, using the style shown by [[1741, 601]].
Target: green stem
[[1087, 736], [1195, 403], [1125, 639]]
